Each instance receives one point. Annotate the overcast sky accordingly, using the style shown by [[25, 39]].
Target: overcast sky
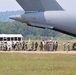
[[9, 5]]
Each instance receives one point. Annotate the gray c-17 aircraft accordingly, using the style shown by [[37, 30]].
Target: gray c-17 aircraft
[[59, 15]]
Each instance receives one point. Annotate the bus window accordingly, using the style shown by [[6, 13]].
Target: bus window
[[15, 38], [19, 39], [5, 39], [12, 38], [8, 39], [1, 39]]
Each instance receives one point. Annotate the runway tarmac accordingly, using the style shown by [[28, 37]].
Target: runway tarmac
[[41, 52]]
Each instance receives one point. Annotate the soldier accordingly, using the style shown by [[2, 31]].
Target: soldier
[[32, 46], [68, 46], [26, 47], [47, 46], [56, 45], [23, 45], [13, 46], [16, 46], [36, 45], [53, 46], [41, 46], [64, 46]]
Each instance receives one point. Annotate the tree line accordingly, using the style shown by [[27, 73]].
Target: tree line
[[30, 32]]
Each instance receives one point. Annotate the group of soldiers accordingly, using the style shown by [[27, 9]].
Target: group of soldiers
[[50, 45], [24, 46], [43, 46], [66, 46], [34, 46], [19, 46]]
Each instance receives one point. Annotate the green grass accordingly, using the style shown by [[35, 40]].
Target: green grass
[[37, 64]]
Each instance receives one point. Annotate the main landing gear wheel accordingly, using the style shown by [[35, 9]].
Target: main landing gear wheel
[[74, 46]]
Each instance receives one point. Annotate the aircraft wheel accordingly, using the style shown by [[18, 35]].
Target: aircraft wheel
[[74, 46]]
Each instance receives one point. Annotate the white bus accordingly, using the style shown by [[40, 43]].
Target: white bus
[[8, 39]]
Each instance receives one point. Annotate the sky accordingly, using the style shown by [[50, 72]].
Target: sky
[[12, 5], [9, 5]]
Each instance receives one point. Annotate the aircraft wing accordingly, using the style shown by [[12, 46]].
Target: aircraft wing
[[39, 5]]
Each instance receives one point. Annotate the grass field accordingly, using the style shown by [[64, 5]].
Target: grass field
[[37, 64]]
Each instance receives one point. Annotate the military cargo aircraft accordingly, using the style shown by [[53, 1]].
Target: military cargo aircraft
[[59, 15]]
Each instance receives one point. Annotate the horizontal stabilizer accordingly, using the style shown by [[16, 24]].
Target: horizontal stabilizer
[[39, 5]]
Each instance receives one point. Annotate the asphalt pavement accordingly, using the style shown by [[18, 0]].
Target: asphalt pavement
[[41, 52]]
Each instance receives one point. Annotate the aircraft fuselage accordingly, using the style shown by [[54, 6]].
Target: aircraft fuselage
[[63, 19]]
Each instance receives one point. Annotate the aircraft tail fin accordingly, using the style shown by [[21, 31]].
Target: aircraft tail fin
[[39, 5]]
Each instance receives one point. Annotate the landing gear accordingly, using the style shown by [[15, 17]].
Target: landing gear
[[74, 47]]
